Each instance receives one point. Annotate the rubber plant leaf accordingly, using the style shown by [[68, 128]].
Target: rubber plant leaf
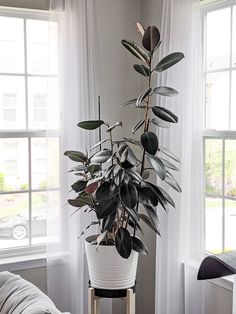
[[149, 142], [90, 125], [169, 61], [142, 69], [136, 50], [139, 246], [165, 91], [123, 242], [76, 156], [165, 114], [151, 38]]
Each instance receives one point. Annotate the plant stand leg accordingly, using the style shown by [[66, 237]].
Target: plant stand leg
[[97, 305], [130, 302], [91, 301]]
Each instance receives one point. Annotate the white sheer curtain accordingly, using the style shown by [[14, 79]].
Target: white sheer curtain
[[78, 32], [177, 289]]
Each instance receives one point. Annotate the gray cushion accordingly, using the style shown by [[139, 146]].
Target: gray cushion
[[18, 296]]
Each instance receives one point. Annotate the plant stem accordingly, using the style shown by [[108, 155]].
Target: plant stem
[[146, 126], [146, 119]]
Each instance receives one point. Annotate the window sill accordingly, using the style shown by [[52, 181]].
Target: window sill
[[224, 282], [23, 262]]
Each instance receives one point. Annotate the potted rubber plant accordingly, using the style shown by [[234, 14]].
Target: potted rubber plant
[[113, 182]]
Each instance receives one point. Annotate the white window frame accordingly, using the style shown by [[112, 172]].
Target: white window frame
[[30, 250], [206, 7]]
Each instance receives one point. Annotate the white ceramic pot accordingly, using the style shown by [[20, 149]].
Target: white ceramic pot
[[107, 269]]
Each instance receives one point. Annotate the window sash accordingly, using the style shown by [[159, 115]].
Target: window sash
[[28, 133]]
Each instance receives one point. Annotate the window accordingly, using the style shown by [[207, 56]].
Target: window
[[220, 127], [28, 105]]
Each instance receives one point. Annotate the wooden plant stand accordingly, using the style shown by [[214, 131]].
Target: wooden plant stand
[[94, 296]]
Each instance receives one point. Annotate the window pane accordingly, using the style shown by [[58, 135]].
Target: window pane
[[218, 39], [45, 208], [213, 166], [13, 164], [11, 45], [39, 35], [230, 225], [233, 102], [43, 103], [45, 163], [14, 220], [213, 224], [12, 102], [234, 38], [230, 167], [217, 101]]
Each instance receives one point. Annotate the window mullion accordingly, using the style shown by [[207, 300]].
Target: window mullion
[[26, 78], [231, 64], [30, 191], [223, 192]]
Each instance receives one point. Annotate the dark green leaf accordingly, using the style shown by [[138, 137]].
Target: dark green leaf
[[146, 196], [119, 123], [133, 173], [136, 50], [165, 114], [76, 156], [93, 223], [93, 168], [142, 69], [157, 165], [132, 213], [107, 207], [149, 142], [79, 186], [173, 183], [167, 197], [159, 194], [128, 156], [132, 141], [109, 171], [137, 126], [149, 222], [100, 143], [123, 242], [139, 246], [160, 123], [129, 195], [151, 38], [169, 165], [101, 156], [106, 190], [79, 168], [169, 153], [119, 174], [143, 95], [152, 215], [129, 102], [108, 222], [101, 238], [165, 91], [146, 174], [81, 201], [169, 61], [91, 124]]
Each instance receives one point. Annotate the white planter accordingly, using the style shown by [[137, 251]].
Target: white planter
[[107, 269]]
